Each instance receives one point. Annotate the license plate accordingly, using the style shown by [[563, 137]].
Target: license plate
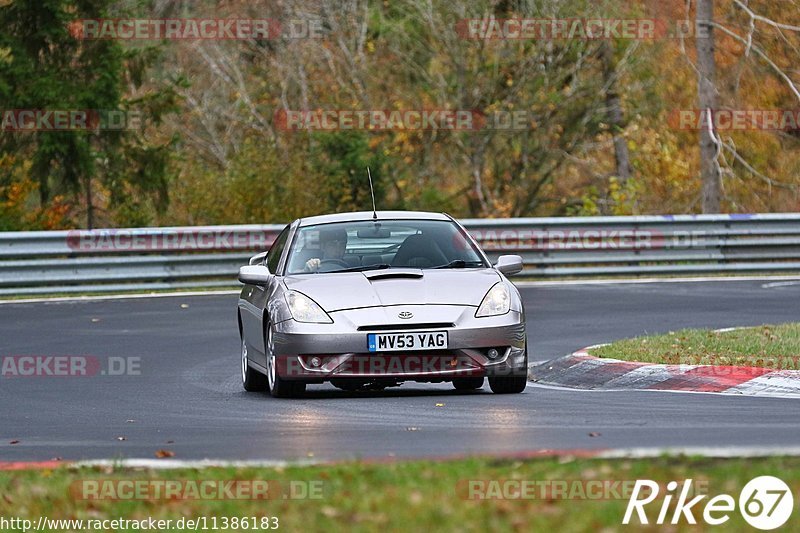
[[396, 342]]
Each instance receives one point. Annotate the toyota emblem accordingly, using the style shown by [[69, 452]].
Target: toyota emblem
[[405, 315]]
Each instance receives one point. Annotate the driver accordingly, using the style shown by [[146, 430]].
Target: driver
[[332, 244]]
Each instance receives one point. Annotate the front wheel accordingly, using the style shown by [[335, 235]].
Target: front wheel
[[279, 387], [252, 379], [514, 383], [508, 384]]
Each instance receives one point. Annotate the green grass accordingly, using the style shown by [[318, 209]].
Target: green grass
[[771, 346], [402, 496]]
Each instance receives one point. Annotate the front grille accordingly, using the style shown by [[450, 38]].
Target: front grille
[[407, 326]]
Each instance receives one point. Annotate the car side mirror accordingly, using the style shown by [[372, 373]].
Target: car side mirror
[[509, 264], [255, 274], [259, 259]]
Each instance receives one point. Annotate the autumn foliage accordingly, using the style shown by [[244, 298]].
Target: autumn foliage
[[597, 138]]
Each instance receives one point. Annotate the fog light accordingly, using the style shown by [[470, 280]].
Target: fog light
[[315, 362], [493, 353]]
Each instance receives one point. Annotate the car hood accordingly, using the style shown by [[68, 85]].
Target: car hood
[[353, 290]]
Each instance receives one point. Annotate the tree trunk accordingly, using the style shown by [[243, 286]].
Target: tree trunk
[[707, 99], [616, 117], [89, 206]]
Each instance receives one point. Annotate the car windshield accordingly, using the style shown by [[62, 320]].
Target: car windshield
[[382, 244]]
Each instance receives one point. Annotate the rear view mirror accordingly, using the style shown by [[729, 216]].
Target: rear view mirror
[[259, 259], [254, 275], [509, 264], [374, 233]]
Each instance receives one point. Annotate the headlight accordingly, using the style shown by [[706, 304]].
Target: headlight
[[304, 309], [496, 302]]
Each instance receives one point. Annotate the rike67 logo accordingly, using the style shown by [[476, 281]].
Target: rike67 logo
[[765, 503]]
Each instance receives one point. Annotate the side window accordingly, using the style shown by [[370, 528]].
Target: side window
[[276, 250]]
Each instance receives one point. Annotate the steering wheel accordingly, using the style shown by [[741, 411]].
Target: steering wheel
[[333, 261]]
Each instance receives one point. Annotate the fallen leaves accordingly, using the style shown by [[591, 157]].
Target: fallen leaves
[[329, 512]]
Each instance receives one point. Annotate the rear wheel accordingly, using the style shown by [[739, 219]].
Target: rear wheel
[[468, 383], [252, 379], [279, 387]]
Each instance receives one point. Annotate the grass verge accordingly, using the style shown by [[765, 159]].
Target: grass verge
[[403, 496], [769, 346]]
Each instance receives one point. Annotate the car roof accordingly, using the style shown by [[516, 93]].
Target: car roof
[[368, 215]]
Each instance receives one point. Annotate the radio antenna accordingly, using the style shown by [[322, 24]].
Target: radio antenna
[[372, 192]]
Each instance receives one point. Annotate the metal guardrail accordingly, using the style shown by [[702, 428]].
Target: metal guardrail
[[182, 257]]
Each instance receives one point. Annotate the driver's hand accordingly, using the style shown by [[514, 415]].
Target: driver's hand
[[312, 265]]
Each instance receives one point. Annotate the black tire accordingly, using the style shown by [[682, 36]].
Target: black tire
[[508, 384], [252, 379], [468, 383], [279, 387], [514, 383], [287, 389]]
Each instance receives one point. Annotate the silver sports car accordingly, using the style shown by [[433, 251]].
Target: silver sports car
[[370, 300]]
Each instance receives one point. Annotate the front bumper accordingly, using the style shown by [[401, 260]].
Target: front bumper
[[321, 352]]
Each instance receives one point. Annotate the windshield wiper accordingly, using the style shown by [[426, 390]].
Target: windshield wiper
[[460, 263], [377, 266]]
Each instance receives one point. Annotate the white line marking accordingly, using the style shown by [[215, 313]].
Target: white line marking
[[706, 451], [119, 297], [620, 453], [779, 284], [634, 281], [171, 464], [730, 393]]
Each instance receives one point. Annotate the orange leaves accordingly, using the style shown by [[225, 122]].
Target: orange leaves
[[19, 209]]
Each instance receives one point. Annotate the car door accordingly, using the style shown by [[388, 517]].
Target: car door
[[254, 300]]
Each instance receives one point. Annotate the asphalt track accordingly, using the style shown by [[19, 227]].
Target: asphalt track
[[187, 397]]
